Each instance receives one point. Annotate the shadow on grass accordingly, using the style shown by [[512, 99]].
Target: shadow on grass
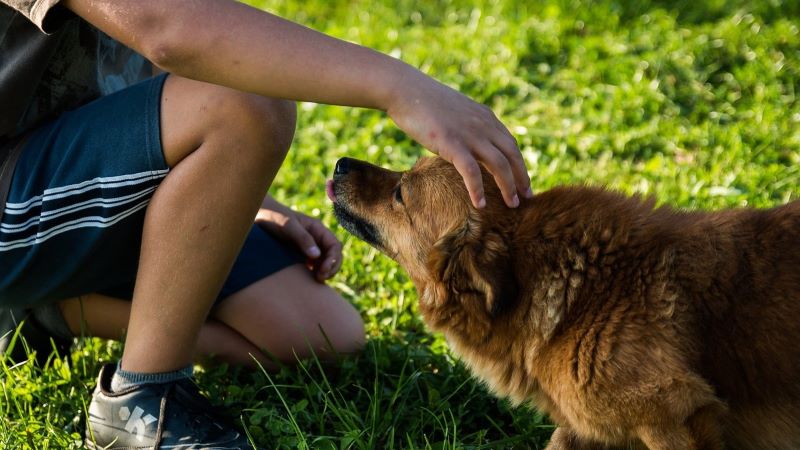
[[397, 394], [402, 391]]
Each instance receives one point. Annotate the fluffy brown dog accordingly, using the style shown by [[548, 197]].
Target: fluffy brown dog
[[628, 325]]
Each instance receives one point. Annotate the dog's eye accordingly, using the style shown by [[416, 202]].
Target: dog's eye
[[398, 194]]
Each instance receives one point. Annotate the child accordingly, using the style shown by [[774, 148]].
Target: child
[[128, 187]]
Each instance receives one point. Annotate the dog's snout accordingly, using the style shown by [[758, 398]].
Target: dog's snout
[[352, 167], [342, 166]]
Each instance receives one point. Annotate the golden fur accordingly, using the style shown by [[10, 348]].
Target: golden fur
[[629, 325]]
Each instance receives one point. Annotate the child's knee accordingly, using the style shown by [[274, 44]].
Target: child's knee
[[201, 115], [272, 121], [346, 330]]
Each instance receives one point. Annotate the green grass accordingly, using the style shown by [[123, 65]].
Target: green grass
[[692, 102]]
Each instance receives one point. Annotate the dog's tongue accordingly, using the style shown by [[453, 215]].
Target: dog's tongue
[[329, 190]]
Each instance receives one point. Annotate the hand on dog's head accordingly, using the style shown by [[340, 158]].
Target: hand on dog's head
[[424, 219]]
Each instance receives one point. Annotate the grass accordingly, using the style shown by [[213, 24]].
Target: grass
[[692, 102]]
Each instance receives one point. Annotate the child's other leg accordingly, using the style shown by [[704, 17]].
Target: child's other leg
[[283, 313], [291, 315]]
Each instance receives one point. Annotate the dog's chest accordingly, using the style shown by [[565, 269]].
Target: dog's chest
[[524, 376], [504, 372]]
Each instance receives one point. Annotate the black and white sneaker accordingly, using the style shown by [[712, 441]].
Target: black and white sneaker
[[156, 416]]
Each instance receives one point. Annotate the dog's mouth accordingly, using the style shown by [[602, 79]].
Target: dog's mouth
[[351, 222]]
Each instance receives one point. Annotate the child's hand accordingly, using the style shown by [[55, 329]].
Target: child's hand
[[317, 242], [462, 132]]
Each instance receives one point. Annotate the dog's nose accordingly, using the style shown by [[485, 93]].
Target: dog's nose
[[342, 166]]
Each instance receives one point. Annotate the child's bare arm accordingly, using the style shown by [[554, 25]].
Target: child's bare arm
[[234, 45]]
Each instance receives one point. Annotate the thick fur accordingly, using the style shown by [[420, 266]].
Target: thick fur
[[629, 325]]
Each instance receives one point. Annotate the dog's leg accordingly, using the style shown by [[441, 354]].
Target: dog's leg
[[658, 438], [564, 438], [700, 432], [704, 427]]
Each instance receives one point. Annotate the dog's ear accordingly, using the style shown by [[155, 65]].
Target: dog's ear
[[471, 270]]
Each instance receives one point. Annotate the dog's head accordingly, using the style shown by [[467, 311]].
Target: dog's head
[[457, 256]]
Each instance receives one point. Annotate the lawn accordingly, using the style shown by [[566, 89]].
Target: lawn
[[692, 102]]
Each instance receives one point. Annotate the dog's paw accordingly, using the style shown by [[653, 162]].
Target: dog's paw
[[565, 438]]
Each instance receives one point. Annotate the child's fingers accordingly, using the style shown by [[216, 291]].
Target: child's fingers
[[497, 164], [331, 249], [325, 239], [302, 238], [508, 146], [469, 170], [328, 268]]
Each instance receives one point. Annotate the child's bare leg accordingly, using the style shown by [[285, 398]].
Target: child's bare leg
[[289, 314], [224, 148], [107, 317], [281, 314]]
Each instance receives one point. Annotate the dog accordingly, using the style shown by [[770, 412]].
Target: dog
[[631, 326]]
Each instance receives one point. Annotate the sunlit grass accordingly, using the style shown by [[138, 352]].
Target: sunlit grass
[[692, 102]]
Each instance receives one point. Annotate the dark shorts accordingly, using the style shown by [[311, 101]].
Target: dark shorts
[[73, 221]]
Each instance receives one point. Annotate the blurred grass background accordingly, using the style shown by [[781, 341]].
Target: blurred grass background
[[692, 102]]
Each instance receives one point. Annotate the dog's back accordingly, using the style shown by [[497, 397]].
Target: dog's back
[[741, 270], [736, 279]]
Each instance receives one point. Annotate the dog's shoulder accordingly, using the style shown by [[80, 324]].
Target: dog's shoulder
[[595, 217]]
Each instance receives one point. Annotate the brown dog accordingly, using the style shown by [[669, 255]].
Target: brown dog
[[628, 325]]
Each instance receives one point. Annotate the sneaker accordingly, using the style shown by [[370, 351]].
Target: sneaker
[[157, 416]]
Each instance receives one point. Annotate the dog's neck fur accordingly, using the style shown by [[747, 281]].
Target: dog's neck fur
[[572, 245]]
